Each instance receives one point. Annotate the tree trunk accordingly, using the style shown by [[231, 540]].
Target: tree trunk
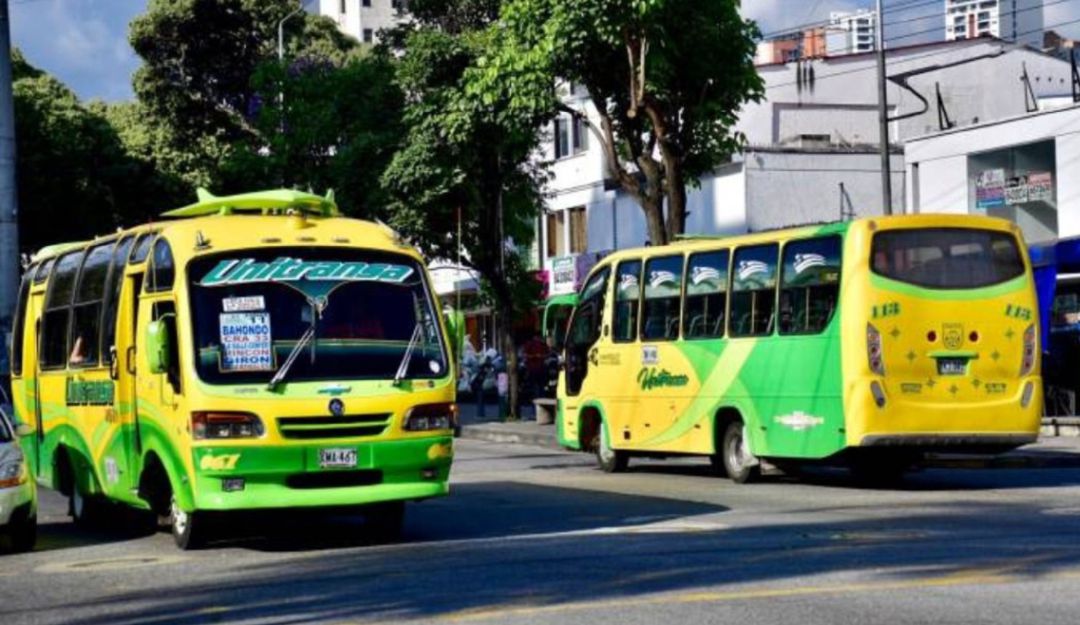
[[676, 202], [504, 310], [654, 219]]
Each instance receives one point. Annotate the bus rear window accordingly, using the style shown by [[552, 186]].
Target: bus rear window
[[947, 258]]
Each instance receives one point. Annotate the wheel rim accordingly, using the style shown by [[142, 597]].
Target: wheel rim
[[736, 452], [78, 503], [607, 454], [179, 519]]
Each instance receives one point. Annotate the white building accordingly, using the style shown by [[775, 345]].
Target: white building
[[816, 130], [1025, 169], [363, 19], [851, 32], [1020, 21]]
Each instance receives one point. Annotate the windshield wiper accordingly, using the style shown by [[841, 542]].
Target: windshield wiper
[[403, 368], [317, 308]]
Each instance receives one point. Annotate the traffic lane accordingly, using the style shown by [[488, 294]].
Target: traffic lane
[[663, 565], [554, 531]]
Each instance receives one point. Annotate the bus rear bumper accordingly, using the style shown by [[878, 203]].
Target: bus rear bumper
[[281, 477], [951, 442]]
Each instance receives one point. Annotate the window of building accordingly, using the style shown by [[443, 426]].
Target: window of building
[[579, 230], [366, 3], [369, 35], [810, 285], [706, 295], [660, 304], [55, 321], [753, 291], [627, 295], [571, 136], [556, 225], [1019, 184]]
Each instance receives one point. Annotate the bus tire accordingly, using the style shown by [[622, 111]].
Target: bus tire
[[610, 460], [740, 464], [189, 529], [87, 511], [385, 521]]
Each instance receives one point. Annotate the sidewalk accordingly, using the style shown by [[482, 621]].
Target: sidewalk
[[1050, 452]]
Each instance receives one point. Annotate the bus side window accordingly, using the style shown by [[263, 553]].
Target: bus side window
[[112, 294], [20, 323], [811, 285], [706, 295], [753, 291], [627, 290], [86, 311], [661, 298], [585, 330], [142, 248], [167, 312], [53, 351], [162, 269]]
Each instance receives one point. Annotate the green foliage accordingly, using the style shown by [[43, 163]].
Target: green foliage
[[75, 177], [668, 78]]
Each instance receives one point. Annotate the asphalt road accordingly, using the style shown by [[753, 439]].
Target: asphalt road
[[535, 536]]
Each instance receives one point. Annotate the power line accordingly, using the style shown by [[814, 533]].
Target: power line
[[1039, 7], [920, 56], [792, 30]]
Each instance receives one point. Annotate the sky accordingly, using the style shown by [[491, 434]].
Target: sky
[[84, 42]]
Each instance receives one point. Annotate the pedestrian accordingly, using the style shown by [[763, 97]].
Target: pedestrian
[[483, 369], [502, 385]]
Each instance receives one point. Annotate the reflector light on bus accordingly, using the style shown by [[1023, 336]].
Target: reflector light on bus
[[873, 350], [1029, 351], [224, 425]]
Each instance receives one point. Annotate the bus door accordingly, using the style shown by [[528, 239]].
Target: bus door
[[581, 342], [663, 374], [31, 378], [120, 323]]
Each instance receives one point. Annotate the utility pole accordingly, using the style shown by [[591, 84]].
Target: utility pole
[[284, 77], [883, 113], [9, 200]]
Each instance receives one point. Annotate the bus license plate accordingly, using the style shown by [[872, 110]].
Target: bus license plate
[[337, 458], [952, 366]]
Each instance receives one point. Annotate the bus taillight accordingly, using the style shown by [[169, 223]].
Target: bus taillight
[[1029, 351], [873, 350], [224, 425]]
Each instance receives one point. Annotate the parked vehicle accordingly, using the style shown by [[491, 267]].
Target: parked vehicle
[[868, 343], [18, 493]]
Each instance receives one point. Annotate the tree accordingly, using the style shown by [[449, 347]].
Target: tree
[[75, 177], [462, 158], [668, 78], [341, 126], [200, 59]]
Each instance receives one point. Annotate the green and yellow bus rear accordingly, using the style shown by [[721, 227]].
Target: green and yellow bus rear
[[869, 342], [260, 352]]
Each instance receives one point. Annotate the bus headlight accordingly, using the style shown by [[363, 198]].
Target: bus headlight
[[225, 425], [12, 474], [427, 417], [1028, 363]]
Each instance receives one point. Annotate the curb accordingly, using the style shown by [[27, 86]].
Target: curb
[[501, 433]]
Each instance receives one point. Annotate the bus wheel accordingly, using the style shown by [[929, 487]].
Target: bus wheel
[[385, 521], [610, 460], [87, 511], [188, 528], [740, 464]]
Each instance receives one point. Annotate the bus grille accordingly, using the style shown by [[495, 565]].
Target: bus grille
[[348, 426]]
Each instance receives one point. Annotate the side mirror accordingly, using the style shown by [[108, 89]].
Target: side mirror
[[22, 430], [157, 346]]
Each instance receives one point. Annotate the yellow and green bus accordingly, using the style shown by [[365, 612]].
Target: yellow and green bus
[[867, 343], [254, 352]]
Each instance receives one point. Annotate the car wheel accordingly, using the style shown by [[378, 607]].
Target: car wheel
[[610, 460], [740, 464], [24, 535], [188, 528]]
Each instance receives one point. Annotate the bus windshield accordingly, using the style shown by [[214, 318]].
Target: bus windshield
[[947, 258], [331, 314], [5, 434]]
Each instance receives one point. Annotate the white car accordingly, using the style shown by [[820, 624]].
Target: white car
[[18, 493]]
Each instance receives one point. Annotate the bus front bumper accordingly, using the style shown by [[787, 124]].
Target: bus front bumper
[[291, 476]]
